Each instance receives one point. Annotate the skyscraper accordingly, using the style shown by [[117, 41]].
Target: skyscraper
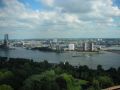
[[6, 41], [91, 47], [71, 47], [85, 46]]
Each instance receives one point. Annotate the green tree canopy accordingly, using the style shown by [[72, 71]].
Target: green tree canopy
[[6, 75], [49, 80], [5, 87], [105, 81]]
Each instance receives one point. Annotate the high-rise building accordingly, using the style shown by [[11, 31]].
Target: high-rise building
[[88, 46], [91, 46], [85, 46], [58, 48], [71, 46], [6, 40]]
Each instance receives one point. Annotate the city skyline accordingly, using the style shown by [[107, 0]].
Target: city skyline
[[27, 19]]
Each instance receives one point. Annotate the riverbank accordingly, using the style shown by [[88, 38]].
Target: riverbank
[[114, 51], [47, 49]]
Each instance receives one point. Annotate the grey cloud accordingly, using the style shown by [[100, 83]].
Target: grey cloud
[[80, 15], [74, 6]]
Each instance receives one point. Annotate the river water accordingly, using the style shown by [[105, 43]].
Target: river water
[[106, 59]]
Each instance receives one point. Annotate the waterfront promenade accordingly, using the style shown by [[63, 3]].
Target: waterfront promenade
[[113, 88]]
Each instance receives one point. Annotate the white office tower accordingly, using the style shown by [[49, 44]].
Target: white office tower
[[91, 46], [71, 47], [85, 47]]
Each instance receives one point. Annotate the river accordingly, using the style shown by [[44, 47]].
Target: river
[[106, 59]]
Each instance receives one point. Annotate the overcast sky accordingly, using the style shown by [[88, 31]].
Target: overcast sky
[[23, 19]]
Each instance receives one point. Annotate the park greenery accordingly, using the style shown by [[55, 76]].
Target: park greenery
[[24, 74]]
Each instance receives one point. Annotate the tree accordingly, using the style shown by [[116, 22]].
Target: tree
[[96, 84], [105, 81], [99, 68], [5, 87], [67, 82], [44, 81], [49, 80], [6, 75]]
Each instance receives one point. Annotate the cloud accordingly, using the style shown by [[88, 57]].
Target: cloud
[[15, 14], [90, 8], [48, 2], [65, 18]]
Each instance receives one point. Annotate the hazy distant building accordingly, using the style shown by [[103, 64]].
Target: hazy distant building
[[85, 46], [5, 44], [6, 40], [88, 46], [58, 47], [71, 47], [91, 46]]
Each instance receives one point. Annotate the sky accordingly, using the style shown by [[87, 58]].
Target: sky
[[27, 19]]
